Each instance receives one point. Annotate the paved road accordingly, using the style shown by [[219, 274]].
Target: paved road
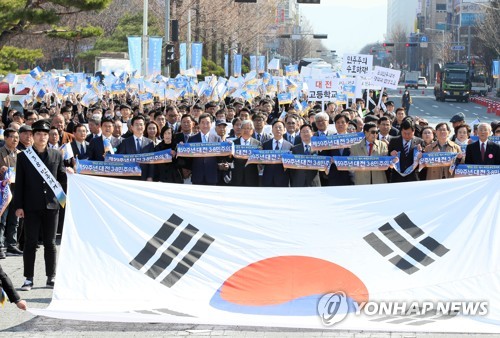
[[425, 105]]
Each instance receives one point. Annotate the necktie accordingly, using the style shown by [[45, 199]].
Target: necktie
[[82, 150], [483, 150], [308, 150], [292, 138], [138, 145], [407, 148], [204, 138], [370, 148], [277, 146], [258, 137], [186, 136], [321, 133]]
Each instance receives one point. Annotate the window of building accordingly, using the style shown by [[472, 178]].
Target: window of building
[[440, 7]]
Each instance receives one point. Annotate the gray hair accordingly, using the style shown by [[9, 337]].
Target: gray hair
[[247, 122], [321, 116]]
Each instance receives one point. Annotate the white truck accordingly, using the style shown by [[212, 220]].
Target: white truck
[[411, 79]]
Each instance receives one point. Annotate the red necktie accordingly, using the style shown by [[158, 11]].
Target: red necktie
[[482, 151], [370, 149]]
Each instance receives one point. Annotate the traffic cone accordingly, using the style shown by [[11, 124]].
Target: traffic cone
[[490, 107], [497, 110], [423, 92], [400, 91]]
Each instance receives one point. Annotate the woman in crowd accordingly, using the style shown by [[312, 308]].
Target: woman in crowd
[[236, 131], [443, 144], [152, 132], [429, 136], [167, 172], [463, 134]]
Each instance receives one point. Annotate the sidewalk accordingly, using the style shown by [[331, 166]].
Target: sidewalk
[[17, 323]]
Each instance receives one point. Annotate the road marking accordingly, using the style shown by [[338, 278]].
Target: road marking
[[435, 106], [427, 113], [465, 110], [475, 114], [434, 117], [478, 107], [421, 110]]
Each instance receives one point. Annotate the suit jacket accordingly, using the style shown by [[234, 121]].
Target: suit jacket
[[264, 137], [32, 193], [76, 150], [301, 177], [242, 175], [6, 285], [6, 159], [405, 161], [204, 170], [128, 146], [274, 174], [338, 177], [95, 150], [296, 140], [437, 173], [491, 154], [369, 176]]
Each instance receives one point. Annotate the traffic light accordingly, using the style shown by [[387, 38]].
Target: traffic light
[[388, 44], [252, 1], [320, 36], [411, 44], [175, 30], [169, 54], [308, 2], [285, 36]]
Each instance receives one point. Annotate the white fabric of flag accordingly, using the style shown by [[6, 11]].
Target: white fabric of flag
[[150, 252]]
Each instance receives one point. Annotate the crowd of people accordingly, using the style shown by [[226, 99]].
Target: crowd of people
[[122, 125]]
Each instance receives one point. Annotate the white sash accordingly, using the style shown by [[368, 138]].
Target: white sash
[[46, 175]]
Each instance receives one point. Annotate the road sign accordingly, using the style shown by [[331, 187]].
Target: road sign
[[424, 44], [424, 39], [457, 47]]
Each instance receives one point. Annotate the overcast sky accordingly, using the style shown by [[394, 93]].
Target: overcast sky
[[350, 24]]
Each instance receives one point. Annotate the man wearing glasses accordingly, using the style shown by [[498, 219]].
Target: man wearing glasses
[[369, 146]]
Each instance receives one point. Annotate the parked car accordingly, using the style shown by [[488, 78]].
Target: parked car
[[422, 82]]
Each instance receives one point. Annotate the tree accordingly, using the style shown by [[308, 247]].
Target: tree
[[12, 58], [22, 16]]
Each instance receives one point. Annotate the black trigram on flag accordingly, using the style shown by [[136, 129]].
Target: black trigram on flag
[[173, 250], [406, 247]]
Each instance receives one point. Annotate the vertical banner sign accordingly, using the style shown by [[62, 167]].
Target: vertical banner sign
[[262, 64], [237, 65], [226, 65], [496, 69], [357, 64], [196, 54], [154, 55], [253, 62], [134, 52], [183, 58]]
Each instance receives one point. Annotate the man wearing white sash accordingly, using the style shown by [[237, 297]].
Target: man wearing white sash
[[38, 194]]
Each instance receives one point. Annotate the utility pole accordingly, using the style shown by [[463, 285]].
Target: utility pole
[[167, 32], [188, 40], [145, 39]]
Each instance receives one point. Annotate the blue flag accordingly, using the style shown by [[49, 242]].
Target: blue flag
[[183, 57], [196, 56], [134, 52], [237, 65], [154, 55]]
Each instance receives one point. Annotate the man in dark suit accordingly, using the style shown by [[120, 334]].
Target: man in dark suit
[[338, 177], [274, 175], [79, 145], [139, 144], [291, 135], [59, 122], [96, 151], [259, 121], [385, 127], [483, 151], [242, 174], [186, 129], [406, 144], [204, 169], [301, 177], [322, 120], [35, 201]]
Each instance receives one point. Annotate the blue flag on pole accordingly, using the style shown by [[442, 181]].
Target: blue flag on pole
[[134, 52], [196, 55], [237, 65], [183, 58], [262, 64], [154, 56], [226, 65], [253, 62]]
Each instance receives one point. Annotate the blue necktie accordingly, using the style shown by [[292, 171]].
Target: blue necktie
[[308, 150], [138, 146]]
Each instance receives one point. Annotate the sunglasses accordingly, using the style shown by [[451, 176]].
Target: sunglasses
[[373, 132]]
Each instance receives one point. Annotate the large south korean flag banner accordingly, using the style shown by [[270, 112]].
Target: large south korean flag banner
[[419, 257]]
